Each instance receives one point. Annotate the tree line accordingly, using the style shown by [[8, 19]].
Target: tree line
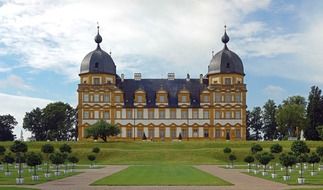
[[56, 121], [288, 119]]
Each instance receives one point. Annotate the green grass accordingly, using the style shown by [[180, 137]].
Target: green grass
[[15, 188], [309, 180], [307, 189], [186, 152], [165, 175], [11, 180]]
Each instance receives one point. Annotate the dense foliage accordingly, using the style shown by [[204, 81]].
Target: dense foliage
[[102, 129], [7, 124], [54, 122]]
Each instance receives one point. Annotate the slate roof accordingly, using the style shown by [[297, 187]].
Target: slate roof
[[151, 86]]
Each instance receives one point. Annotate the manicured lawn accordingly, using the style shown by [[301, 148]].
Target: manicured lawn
[[166, 175], [15, 188], [309, 180], [11, 180], [308, 189], [143, 153]]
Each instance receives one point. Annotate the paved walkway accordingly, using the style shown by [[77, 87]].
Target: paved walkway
[[241, 181]]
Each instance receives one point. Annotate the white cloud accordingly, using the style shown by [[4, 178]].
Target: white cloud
[[14, 81], [275, 92], [18, 106], [56, 35]]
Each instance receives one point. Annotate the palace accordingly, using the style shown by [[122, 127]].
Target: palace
[[212, 106]]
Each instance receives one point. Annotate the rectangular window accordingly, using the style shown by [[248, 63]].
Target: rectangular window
[[217, 115], [140, 114], [218, 98], [195, 133], [161, 114], [238, 115], [96, 80], [129, 114], [161, 133], [228, 98], [227, 81], [140, 133], [238, 133], [129, 133], [206, 98], [238, 98], [184, 133], [161, 98], [151, 114], [173, 133], [96, 98], [173, 114], [106, 98], [184, 114], [228, 115], [118, 114], [218, 133], [151, 133], [117, 99], [206, 114], [106, 115], [85, 98], [139, 98], [206, 133], [184, 99], [86, 115], [195, 114], [96, 114]]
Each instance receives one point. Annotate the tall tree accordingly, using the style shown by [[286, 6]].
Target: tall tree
[[255, 123], [7, 124], [314, 113], [33, 122], [270, 126], [290, 116], [249, 130]]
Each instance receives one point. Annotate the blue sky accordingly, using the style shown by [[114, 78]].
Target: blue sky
[[42, 44]]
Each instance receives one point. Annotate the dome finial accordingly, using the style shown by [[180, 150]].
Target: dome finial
[[98, 38], [225, 37]]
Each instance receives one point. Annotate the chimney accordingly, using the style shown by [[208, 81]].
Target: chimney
[[201, 78], [122, 77], [171, 76], [188, 77], [137, 76]]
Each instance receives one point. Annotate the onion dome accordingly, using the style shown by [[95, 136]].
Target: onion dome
[[225, 61], [98, 61]]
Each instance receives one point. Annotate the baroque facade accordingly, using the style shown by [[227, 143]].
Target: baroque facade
[[212, 106]]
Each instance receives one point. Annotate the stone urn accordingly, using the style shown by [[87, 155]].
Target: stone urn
[[7, 173], [313, 173], [264, 173], [57, 173]]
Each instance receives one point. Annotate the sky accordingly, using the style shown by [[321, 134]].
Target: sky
[[42, 43]]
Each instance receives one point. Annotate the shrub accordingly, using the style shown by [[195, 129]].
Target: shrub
[[299, 147], [92, 158], [8, 159], [74, 160], [301, 159], [19, 148], [264, 159], [249, 159], [312, 159], [232, 158], [287, 160], [57, 158], [227, 150], [276, 149], [33, 160], [256, 148], [47, 149], [96, 150]]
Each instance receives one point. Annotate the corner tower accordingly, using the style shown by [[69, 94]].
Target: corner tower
[[226, 80]]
